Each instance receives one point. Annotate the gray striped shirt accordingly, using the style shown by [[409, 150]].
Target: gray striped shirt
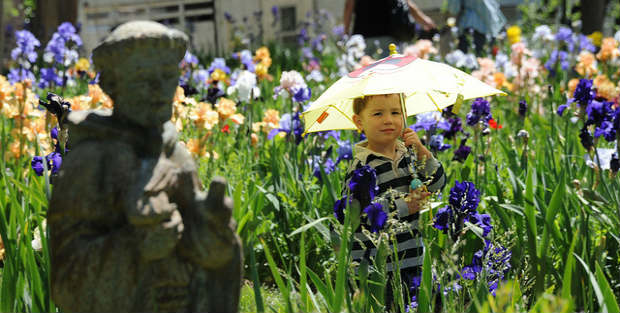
[[393, 180]]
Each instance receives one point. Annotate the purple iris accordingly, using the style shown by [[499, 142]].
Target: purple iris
[[189, 59], [443, 218], [302, 37], [585, 43], [19, 75], [62, 46], [583, 92], [317, 43], [37, 165], [328, 166], [464, 197], [376, 216], [462, 152], [363, 185], [218, 63], [455, 126], [522, 108], [290, 124], [586, 138], [55, 160], [436, 143], [480, 111], [426, 121], [49, 78], [557, 56], [565, 35], [481, 220], [339, 207], [26, 44], [301, 93], [54, 133], [603, 116], [338, 31], [563, 107], [345, 151]]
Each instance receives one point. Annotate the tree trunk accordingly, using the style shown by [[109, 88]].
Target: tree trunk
[[592, 15], [50, 14]]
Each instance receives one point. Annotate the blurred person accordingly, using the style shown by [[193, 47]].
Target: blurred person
[[373, 21], [478, 19]]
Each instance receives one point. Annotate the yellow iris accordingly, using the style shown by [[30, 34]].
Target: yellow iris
[[514, 34], [596, 38], [82, 65], [218, 75]]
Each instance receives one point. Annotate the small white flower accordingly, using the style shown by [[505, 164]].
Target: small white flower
[[315, 75], [36, 242]]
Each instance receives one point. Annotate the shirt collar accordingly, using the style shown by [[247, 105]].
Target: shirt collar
[[361, 151]]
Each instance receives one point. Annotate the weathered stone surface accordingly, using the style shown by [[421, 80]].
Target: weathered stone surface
[[130, 227]]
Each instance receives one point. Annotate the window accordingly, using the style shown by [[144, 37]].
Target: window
[[288, 18]]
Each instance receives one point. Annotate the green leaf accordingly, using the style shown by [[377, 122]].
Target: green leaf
[[595, 285], [424, 303], [308, 226], [608, 293], [276, 275], [568, 271]]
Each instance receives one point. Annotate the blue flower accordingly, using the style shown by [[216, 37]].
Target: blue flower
[[37, 165], [345, 151], [583, 92], [443, 218], [19, 75], [189, 59], [363, 185], [54, 133], [61, 48], [522, 108], [290, 124], [464, 197], [480, 111], [26, 44], [218, 63], [462, 152], [55, 160], [339, 207], [557, 56], [455, 126], [565, 35], [436, 143], [301, 93], [49, 77], [563, 107], [426, 121], [481, 220], [376, 216], [229, 18], [585, 43], [586, 138], [338, 31]]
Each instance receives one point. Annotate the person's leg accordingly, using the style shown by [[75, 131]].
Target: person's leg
[[479, 41]]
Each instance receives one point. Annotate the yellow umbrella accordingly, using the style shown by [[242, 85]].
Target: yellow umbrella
[[424, 86]]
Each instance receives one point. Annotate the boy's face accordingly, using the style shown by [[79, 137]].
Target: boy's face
[[381, 119]]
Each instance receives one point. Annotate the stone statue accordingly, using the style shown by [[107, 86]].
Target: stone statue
[[130, 227]]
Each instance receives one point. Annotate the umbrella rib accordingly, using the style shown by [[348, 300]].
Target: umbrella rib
[[433, 100]]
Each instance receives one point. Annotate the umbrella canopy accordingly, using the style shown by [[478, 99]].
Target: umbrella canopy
[[425, 86]]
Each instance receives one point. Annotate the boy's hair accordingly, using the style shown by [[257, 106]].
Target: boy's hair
[[359, 103]]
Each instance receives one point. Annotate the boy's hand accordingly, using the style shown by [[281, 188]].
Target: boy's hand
[[416, 198], [411, 138]]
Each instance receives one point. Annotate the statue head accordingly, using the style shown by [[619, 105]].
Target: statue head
[[138, 66]]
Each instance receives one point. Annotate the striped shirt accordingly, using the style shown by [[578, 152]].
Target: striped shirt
[[393, 180]]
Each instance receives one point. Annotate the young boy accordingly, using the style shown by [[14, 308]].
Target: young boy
[[381, 119]]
